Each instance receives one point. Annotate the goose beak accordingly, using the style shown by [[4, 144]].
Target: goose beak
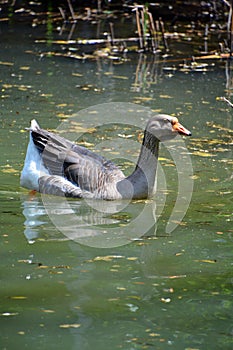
[[181, 129]]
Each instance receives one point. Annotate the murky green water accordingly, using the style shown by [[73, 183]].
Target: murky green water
[[160, 292]]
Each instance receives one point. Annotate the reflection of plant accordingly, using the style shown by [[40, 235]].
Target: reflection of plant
[[149, 70]]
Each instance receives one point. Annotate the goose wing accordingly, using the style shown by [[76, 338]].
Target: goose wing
[[82, 167]]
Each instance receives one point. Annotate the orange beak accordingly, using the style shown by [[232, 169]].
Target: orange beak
[[180, 128]]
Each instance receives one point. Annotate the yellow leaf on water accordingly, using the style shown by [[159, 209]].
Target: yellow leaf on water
[[121, 288], [157, 110], [86, 144], [120, 77], [77, 75], [24, 68], [165, 96], [8, 169], [107, 257], [125, 136], [7, 86], [24, 87], [203, 154], [48, 311], [206, 261], [55, 272], [70, 325], [162, 158], [194, 177], [18, 297], [165, 300], [62, 115], [46, 95], [177, 276], [43, 267], [145, 98], [62, 105], [6, 63]]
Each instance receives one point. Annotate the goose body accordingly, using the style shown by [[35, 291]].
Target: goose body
[[55, 165]]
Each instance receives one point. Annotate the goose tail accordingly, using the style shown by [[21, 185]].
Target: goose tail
[[34, 125], [33, 166]]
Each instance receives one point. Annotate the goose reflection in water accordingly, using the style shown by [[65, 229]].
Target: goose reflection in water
[[99, 224]]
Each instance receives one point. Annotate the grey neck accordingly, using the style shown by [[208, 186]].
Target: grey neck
[[141, 183]]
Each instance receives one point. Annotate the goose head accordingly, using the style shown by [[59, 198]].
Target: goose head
[[165, 127]]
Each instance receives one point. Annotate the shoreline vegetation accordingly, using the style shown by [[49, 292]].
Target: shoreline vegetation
[[154, 28]]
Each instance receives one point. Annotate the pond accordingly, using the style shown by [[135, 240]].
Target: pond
[[169, 288]]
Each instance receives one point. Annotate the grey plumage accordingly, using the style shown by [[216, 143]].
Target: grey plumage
[[74, 171]]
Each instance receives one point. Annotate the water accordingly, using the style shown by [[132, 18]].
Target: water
[[162, 291]]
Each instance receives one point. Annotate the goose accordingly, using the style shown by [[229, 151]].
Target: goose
[[56, 166]]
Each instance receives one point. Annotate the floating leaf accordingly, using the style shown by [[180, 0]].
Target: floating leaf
[[206, 261], [203, 154], [86, 144], [107, 257], [7, 86], [22, 88], [6, 63], [121, 288], [194, 177], [136, 297], [165, 96], [120, 77], [77, 75], [55, 272], [48, 311], [24, 68], [70, 325], [125, 136], [177, 276], [8, 169], [43, 267], [62, 105], [145, 98], [46, 95], [214, 179], [18, 297], [7, 314], [166, 300]]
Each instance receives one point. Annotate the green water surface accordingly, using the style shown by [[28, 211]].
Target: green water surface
[[163, 291]]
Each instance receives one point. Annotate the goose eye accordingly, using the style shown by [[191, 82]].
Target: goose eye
[[174, 121]]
